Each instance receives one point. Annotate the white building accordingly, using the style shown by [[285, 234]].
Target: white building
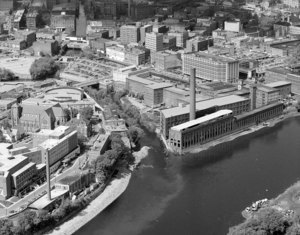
[[154, 41], [115, 53], [233, 26]]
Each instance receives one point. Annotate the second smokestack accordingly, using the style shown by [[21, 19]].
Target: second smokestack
[[192, 94]]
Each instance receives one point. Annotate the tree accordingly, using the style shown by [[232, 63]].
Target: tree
[[87, 113], [68, 113], [135, 134], [267, 221], [43, 68], [6, 227], [7, 75]]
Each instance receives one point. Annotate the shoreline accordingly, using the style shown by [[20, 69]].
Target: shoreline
[[233, 136], [112, 192]]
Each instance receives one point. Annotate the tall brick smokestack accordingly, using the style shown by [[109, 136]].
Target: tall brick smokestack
[[48, 176], [129, 8], [192, 94]]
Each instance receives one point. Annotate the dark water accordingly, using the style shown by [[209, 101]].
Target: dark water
[[203, 194]]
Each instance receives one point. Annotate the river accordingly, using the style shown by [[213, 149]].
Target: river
[[205, 193]]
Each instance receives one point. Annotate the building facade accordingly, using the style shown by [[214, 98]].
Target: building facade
[[129, 34], [154, 41], [195, 133], [178, 115], [181, 38], [211, 67]]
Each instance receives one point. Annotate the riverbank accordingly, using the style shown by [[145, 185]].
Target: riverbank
[[112, 192], [280, 215]]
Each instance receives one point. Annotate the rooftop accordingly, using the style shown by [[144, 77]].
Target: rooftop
[[6, 160], [224, 59], [285, 45], [202, 120], [202, 105], [43, 202], [51, 143], [159, 85], [7, 88], [278, 84]]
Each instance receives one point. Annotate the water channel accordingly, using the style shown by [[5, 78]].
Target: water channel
[[204, 193]]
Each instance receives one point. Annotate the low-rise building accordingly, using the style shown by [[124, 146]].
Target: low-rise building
[[76, 182], [181, 38], [195, 133], [6, 104], [46, 47], [284, 88], [152, 91], [177, 115], [16, 172], [266, 95], [163, 60], [62, 144]]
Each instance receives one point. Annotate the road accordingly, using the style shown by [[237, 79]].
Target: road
[[34, 194]]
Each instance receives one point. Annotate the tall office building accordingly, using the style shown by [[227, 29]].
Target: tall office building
[[181, 38], [130, 34], [211, 67], [145, 29], [154, 41]]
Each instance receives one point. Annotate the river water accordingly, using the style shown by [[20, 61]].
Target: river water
[[204, 193]]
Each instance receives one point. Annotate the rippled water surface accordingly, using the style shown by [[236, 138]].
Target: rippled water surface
[[204, 193]]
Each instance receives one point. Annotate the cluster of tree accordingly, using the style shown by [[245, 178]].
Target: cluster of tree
[[43, 68], [268, 221], [104, 165], [125, 110], [87, 113], [31, 222], [7, 75], [139, 96]]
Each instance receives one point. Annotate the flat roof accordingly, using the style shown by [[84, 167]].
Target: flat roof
[[210, 56], [7, 88], [43, 202], [177, 91], [287, 44], [278, 84], [205, 104], [266, 88], [6, 160], [200, 120], [159, 85], [51, 143]]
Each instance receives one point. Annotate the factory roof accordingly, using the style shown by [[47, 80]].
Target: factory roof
[[202, 105], [266, 88], [159, 85], [278, 84], [202, 120], [177, 91], [217, 58]]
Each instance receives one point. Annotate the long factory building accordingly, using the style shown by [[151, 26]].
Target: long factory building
[[194, 133], [178, 115]]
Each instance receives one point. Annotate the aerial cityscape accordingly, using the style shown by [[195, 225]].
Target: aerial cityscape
[[149, 117]]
